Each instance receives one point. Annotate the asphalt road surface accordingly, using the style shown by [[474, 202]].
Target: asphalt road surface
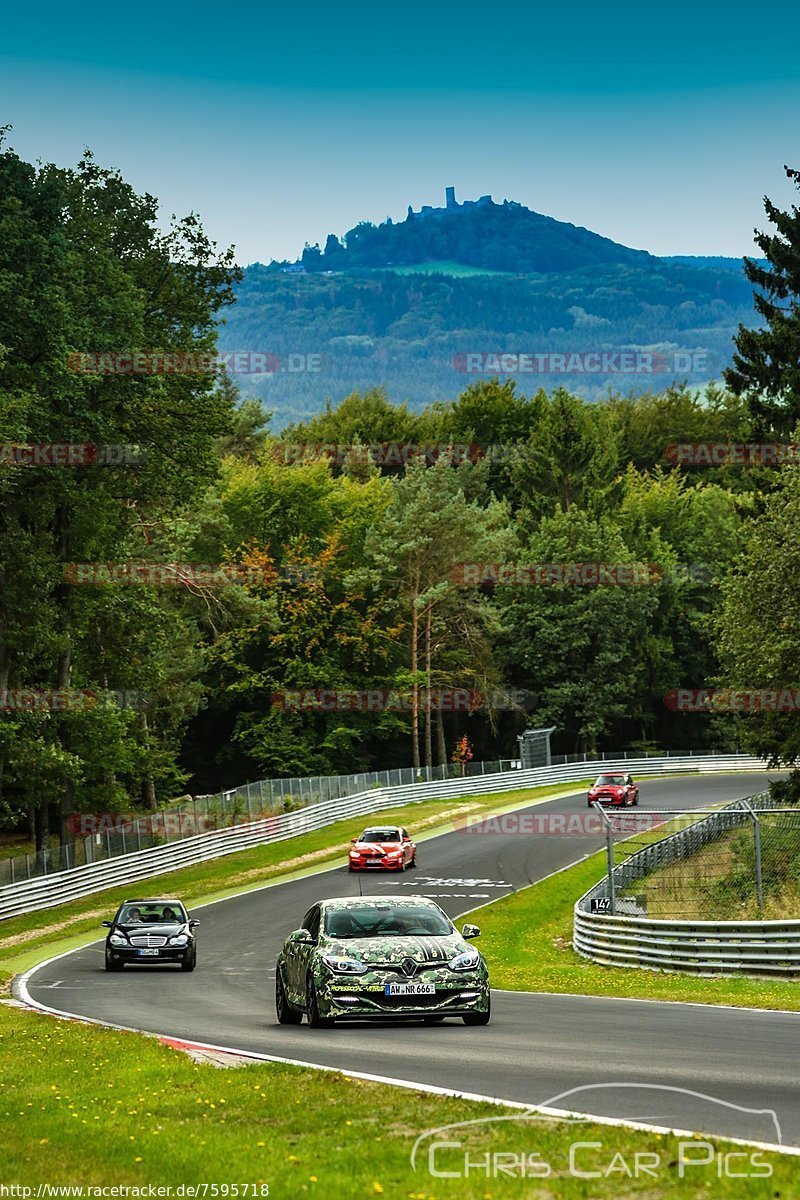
[[684, 1066]]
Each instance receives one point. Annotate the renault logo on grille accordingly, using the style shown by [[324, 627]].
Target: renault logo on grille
[[408, 966]]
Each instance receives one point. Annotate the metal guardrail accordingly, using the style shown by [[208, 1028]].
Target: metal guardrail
[[103, 836], [50, 890], [699, 947]]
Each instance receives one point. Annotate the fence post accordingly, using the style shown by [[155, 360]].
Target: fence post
[[757, 849], [609, 855], [759, 879]]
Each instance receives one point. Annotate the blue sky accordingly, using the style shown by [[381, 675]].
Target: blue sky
[[661, 128]]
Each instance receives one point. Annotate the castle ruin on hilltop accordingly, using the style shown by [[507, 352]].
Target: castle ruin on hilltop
[[451, 205]]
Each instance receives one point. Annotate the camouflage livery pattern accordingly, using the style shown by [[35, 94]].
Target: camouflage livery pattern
[[398, 958]]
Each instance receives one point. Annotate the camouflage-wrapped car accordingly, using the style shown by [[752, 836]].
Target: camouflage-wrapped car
[[361, 958]]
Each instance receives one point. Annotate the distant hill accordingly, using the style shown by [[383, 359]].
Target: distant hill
[[716, 262], [403, 305], [479, 233]]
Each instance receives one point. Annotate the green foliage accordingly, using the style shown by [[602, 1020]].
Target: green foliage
[[766, 367]]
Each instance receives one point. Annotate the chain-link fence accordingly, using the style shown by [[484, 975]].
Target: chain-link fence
[[737, 863], [100, 836]]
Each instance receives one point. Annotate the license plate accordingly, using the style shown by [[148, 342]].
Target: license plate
[[373, 860], [410, 989], [147, 953]]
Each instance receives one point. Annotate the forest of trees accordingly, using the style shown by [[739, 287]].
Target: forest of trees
[[409, 333], [341, 573]]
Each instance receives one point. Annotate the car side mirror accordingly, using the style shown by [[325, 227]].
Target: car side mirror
[[470, 931], [301, 937], [108, 924], [193, 923]]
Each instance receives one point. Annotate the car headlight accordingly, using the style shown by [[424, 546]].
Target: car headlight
[[343, 966], [180, 939], [117, 939], [467, 961], [394, 854], [355, 854]]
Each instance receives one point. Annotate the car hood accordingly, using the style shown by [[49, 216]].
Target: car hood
[[159, 930], [389, 951], [376, 847]]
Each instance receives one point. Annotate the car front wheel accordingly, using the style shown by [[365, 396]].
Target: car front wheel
[[113, 966], [478, 1018], [313, 1017], [189, 962], [283, 1010]]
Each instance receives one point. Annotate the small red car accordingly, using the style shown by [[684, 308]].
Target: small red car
[[382, 848], [618, 790]]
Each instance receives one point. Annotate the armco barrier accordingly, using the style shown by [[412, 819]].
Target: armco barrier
[[699, 947], [49, 890]]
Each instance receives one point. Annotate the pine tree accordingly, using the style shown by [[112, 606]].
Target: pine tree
[[766, 368]]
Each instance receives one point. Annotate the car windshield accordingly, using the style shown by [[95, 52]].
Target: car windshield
[[156, 913], [615, 780], [380, 835], [395, 920]]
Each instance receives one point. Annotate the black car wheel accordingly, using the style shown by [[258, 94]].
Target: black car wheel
[[111, 965], [478, 1018], [413, 862], [312, 1009], [190, 962], [283, 1010]]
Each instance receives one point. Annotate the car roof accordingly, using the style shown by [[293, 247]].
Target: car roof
[[153, 900], [377, 902]]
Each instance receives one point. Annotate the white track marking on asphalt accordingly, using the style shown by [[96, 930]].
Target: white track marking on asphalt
[[430, 1088], [21, 985]]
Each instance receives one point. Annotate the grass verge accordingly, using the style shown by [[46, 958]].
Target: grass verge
[[527, 941], [86, 1106]]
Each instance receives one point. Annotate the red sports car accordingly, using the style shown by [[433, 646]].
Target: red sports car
[[384, 848], [619, 790]]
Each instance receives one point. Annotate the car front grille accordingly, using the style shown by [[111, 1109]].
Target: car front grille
[[149, 940]]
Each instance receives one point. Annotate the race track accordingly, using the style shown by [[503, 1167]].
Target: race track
[[537, 1047]]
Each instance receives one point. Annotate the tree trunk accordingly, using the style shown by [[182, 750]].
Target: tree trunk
[[148, 784], [441, 748], [428, 698], [414, 688], [67, 800]]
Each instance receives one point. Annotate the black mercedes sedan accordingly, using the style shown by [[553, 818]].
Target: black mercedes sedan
[[151, 931]]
